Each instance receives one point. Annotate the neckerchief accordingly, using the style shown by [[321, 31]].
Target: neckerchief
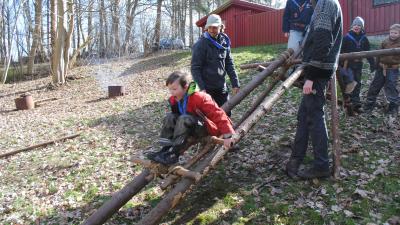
[[358, 43], [301, 7], [215, 43], [182, 108]]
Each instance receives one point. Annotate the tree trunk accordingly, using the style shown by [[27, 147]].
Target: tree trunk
[[36, 35], [191, 40], [130, 16], [157, 31], [115, 27], [65, 27], [102, 28], [90, 25], [28, 24]]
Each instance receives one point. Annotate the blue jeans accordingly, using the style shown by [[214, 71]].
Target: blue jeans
[[388, 82], [311, 123]]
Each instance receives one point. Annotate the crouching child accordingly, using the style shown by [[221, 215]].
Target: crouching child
[[193, 114]]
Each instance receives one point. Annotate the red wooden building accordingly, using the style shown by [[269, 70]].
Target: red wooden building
[[255, 24]]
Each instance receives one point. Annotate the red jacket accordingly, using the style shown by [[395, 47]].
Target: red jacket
[[217, 122]]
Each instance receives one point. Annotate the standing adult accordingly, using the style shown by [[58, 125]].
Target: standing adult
[[212, 61], [296, 18], [320, 55]]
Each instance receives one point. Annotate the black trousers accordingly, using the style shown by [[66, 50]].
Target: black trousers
[[178, 128], [220, 96]]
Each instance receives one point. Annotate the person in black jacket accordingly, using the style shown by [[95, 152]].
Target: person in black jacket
[[356, 41], [212, 61], [296, 18], [320, 56]]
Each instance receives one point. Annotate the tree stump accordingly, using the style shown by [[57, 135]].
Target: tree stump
[[24, 102]]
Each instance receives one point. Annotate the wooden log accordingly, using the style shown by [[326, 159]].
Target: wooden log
[[335, 129], [280, 75], [261, 110], [266, 64], [171, 179], [256, 81], [368, 54], [183, 172], [343, 56], [10, 153], [171, 199], [119, 199]]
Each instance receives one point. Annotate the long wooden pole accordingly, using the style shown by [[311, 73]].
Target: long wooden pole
[[343, 56], [176, 194], [7, 154], [257, 80], [335, 129], [120, 198]]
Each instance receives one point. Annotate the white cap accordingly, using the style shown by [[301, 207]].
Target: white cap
[[213, 20]]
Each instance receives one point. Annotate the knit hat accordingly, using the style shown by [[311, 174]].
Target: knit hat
[[213, 20], [395, 26], [358, 21]]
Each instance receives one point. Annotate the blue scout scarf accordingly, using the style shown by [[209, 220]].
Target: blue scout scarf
[[215, 43], [358, 43], [182, 108]]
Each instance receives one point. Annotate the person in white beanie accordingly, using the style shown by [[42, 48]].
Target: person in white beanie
[[356, 40], [212, 61]]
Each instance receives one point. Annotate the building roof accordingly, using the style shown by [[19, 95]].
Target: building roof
[[240, 3]]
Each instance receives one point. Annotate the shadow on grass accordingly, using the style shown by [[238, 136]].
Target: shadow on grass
[[155, 62]]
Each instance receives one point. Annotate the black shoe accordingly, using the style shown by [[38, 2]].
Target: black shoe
[[393, 109], [292, 167], [313, 173], [151, 155], [166, 158]]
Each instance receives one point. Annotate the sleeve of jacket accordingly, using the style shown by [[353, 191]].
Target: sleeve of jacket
[[230, 69], [216, 115], [322, 36], [198, 61], [286, 18]]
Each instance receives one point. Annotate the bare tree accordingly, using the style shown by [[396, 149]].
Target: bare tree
[[60, 56], [131, 7], [158, 23], [191, 41], [36, 35], [115, 42]]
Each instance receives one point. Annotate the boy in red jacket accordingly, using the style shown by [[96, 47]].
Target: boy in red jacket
[[194, 114]]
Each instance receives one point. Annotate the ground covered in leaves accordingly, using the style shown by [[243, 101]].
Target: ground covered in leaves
[[65, 182]]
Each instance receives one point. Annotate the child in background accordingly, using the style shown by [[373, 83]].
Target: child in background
[[387, 75]]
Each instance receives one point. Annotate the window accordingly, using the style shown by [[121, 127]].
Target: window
[[383, 2]]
